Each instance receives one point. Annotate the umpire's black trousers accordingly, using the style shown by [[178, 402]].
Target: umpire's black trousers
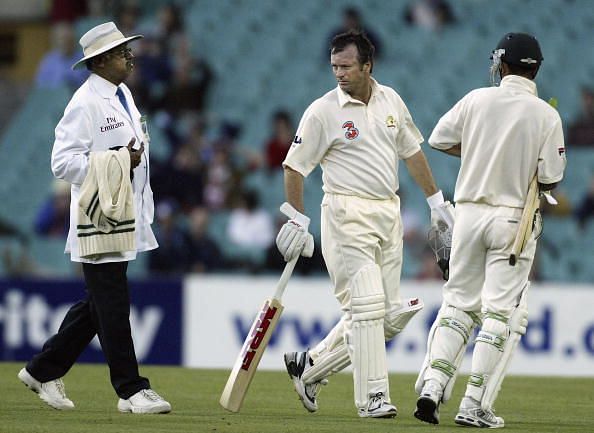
[[106, 313]]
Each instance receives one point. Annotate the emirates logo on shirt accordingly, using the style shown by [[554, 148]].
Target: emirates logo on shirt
[[351, 132]]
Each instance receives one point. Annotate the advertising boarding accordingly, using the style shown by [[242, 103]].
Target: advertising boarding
[[31, 311], [559, 339]]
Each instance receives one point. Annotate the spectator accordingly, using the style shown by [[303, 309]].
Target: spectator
[[182, 178], [219, 180], [203, 253], [222, 174], [585, 209], [55, 67], [189, 88], [581, 132], [53, 219], [171, 256], [229, 133], [67, 10], [429, 14], [250, 227], [352, 21], [279, 143], [151, 75], [127, 19], [170, 27]]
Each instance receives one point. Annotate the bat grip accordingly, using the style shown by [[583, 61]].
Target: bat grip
[[284, 279]]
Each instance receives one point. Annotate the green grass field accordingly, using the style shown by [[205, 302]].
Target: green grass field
[[527, 404]]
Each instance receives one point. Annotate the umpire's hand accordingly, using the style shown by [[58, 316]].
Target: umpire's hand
[[135, 154]]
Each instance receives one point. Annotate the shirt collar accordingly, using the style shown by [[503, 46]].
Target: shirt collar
[[105, 88], [344, 98], [519, 83]]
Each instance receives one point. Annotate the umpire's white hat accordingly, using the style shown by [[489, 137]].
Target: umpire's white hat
[[100, 39]]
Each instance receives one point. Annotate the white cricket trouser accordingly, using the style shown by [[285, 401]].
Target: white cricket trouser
[[480, 274], [358, 233]]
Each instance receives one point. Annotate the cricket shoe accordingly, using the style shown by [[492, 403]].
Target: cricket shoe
[[378, 407], [144, 401], [297, 363], [471, 414], [428, 402], [52, 392]]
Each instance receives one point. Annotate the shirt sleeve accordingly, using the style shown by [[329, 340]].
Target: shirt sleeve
[[448, 131], [409, 139], [552, 160], [72, 145], [309, 146]]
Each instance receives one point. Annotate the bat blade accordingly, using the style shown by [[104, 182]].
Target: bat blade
[[253, 348], [525, 228]]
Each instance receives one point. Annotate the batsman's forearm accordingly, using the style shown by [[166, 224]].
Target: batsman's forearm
[[418, 167], [294, 189]]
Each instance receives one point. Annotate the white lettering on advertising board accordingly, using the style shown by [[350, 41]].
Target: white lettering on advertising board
[[559, 340]]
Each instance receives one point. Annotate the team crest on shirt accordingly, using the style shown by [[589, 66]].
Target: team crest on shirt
[[351, 132], [390, 121]]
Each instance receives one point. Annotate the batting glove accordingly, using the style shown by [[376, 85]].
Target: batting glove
[[293, 238], [442, 212]]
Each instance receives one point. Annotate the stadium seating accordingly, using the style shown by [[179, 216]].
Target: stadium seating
[[272, 56]]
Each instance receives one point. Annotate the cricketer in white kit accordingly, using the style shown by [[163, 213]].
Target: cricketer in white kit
[[504, 136], [357, 133]]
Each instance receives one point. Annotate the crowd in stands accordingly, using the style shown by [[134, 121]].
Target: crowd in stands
[[200, 175]]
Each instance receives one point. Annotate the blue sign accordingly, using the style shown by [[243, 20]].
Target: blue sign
[[31, 311]]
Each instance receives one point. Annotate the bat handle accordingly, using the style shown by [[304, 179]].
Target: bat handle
[[284, 279]]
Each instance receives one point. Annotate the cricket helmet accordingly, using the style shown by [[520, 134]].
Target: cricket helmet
[[519, 49]]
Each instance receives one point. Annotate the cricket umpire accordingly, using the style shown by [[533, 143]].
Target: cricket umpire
[[505, 136], [102, 145], [358, 133]]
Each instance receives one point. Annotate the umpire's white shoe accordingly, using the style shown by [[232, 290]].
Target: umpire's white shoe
[[297, 363], [52, 392], [428, 402], [144, 401], [471, 414], [378, 407]]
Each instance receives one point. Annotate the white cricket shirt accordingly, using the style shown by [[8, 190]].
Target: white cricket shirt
[[357, 145], [506, 133]]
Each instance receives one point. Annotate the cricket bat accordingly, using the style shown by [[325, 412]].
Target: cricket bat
[[254, 345], [525, 229], [257, 339]]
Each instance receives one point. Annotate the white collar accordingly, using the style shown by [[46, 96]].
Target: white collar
[[344, 98], [102, 86], [520, 83]]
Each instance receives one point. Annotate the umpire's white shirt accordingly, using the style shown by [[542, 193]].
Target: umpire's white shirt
[[507, 133], [95, 121], [357, 145]]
